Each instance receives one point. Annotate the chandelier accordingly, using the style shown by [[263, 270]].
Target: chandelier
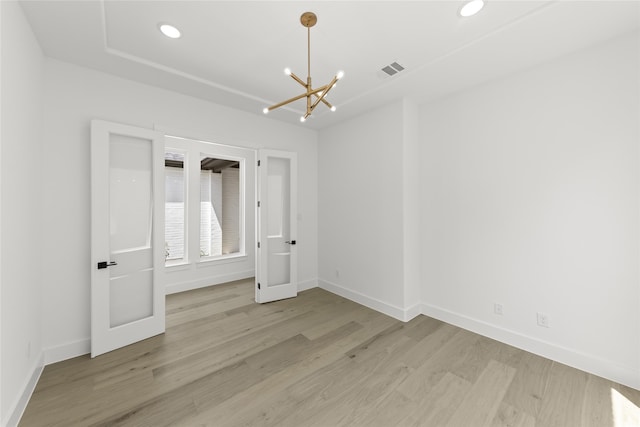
[[314, 96]]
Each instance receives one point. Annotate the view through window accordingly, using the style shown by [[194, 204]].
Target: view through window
[[220, 213], [219, 206]]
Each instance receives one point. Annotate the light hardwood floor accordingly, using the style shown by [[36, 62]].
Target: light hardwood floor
[[318, 360]]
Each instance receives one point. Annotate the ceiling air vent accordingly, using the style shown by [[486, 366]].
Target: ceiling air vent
[[391, 69]]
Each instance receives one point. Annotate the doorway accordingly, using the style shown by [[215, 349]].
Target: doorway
[[210, 192]]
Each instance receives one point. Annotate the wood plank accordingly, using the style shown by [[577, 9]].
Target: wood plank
[[439, 405], [625, 404], [508, 416], [528, 385], [563, 399], [484, 397], [443, 359], [597, 407]]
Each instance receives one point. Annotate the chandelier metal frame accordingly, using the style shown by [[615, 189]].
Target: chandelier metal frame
[[314, 96]]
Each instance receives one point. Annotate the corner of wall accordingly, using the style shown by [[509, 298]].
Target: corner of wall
[[21, 226], [17, 409], [305, 285], [399, 313], [66, 351]]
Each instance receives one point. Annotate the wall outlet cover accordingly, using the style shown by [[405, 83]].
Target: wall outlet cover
[[543, 319]]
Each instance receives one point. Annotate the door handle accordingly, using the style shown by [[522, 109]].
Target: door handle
[[292, 242], [105, 264]]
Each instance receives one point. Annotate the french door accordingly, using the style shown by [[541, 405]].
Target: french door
[[127, 235], [276, 273]]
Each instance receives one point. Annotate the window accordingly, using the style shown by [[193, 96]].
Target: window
[[174, 208], [204, 206], [219, 206]]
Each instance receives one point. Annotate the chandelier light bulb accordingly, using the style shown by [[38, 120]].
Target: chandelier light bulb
[[340, 75], [287, 71], [302, 119], [333, 108], [265, 110]]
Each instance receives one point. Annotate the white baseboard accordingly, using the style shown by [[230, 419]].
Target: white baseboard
[[203, 283], [373, 303], [66, 351], [307, 284], [585, 362], [413, 311], [16, 411]]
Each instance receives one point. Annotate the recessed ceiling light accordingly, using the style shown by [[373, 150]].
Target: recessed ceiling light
[[471, 8], [170, 31]]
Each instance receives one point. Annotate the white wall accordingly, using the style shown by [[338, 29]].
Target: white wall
[[369, 180], [74, 96], [530, 199], [21, 211], [360, 197]]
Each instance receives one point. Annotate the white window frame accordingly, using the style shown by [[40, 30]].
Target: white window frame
[[193, 151], [185, 258]]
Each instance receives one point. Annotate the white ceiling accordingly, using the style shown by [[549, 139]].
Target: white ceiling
[[233, 52]]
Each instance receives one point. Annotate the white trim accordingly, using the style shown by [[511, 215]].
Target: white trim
[[190, 285], [307, 284], [66, 351], [15, 412], [367, 301], [585, 362], [209, 138], [214, 261], [183, 265], [411, 312]]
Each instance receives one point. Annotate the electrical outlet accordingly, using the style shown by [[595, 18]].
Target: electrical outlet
[[497, 309], [543, 319]]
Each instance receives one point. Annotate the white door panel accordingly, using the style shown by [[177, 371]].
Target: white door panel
[[127, 242], [276, 275]]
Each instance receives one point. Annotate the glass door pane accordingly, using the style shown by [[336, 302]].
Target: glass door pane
[[278, 221], [130, 217]]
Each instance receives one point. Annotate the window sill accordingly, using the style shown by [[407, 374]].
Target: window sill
[[176, 266], [224, 259]]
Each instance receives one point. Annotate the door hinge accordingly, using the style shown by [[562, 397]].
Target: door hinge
[[258, 162], [258, 285], [258, 245], [258, 203]]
